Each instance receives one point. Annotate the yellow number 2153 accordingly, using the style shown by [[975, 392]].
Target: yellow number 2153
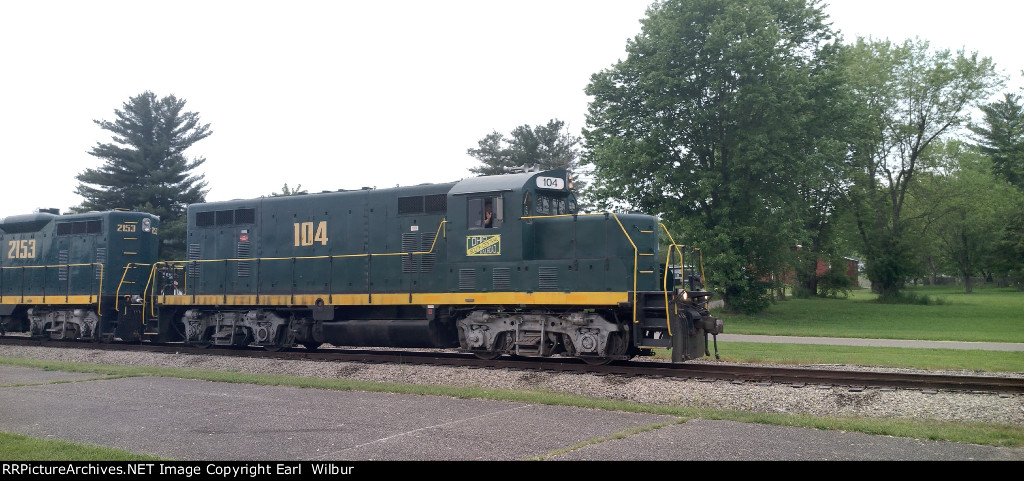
[[23, 249]]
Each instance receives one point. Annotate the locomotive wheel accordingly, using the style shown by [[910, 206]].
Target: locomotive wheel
[[596, 361], [284, 341], [487, 355], [617, 346]]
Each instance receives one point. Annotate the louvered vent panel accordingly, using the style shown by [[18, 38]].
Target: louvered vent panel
[[62, 259], [409, 262], [427, 260], [467, 279], [101, 258], [242, 252], [193, 255], [548, 277], [501, 279]]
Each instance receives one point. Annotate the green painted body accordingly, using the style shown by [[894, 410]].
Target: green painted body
[[424, 266], [392, 241], [60, 263]]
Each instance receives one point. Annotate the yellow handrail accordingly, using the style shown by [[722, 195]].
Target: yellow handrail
[[636, 262]]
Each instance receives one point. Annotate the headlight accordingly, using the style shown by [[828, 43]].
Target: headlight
[[146, 225]]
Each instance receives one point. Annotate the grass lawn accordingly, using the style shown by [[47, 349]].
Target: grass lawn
[[989, 314]]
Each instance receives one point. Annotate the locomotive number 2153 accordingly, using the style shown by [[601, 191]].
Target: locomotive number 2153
[[23, 249]]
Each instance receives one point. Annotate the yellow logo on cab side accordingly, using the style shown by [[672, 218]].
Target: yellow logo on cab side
[[483, 245]]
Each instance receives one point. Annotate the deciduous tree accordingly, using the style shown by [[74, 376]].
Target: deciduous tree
[[912, 97], [713, 120]]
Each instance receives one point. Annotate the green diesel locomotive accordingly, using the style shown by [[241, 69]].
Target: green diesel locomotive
[[80, 276], [492, 265]]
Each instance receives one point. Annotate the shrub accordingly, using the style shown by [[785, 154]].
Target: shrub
[[835, 283]]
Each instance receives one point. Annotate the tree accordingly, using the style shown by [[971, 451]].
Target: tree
[[1001, 137], [543, 147], [720, 109], [145, 167], [1009, 249], [962, 204], [289, 191], [912, 97]]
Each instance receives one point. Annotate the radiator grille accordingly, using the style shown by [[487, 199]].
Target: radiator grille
[[436, 203], [467, 279], [410, 205], [427, 260], [548, 277], [101, 258], [62, 258], [193, 255], [242, 252], [409, 261], [501, 279]]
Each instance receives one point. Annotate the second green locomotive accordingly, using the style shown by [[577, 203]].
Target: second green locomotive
[[76, 276]]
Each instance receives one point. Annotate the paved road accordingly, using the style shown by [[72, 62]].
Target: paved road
[[191, 420]]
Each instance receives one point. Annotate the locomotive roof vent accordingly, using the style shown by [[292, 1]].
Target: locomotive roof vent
[[50, 210]]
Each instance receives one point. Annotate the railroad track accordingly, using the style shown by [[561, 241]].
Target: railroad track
[[854, 380]]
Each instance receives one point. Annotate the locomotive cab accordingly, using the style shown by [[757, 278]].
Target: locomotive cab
[[553, 280]]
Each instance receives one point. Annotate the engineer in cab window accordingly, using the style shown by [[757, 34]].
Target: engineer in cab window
[[484, 213], [488, 214]]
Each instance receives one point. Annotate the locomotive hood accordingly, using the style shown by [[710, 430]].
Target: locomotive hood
[[25, 223]]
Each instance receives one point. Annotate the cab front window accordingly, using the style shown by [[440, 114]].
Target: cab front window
[[556, 204]]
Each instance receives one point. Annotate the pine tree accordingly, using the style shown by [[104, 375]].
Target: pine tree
[[542, 147], [145, 167], [1001, 137]]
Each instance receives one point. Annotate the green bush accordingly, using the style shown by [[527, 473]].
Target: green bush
[[835, 283]]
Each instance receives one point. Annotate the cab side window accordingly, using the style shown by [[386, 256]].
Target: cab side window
[[484, 212]]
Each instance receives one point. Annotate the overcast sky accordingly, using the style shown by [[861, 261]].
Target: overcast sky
[[341, 94]]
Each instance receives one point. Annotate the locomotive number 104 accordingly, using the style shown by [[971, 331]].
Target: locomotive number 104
[[306, 235]]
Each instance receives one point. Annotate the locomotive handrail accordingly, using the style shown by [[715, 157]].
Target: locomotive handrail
[[151, 286], [117, 293], [99, 292], [636, 263], [674, 246], [149, 281], [668, 258]]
